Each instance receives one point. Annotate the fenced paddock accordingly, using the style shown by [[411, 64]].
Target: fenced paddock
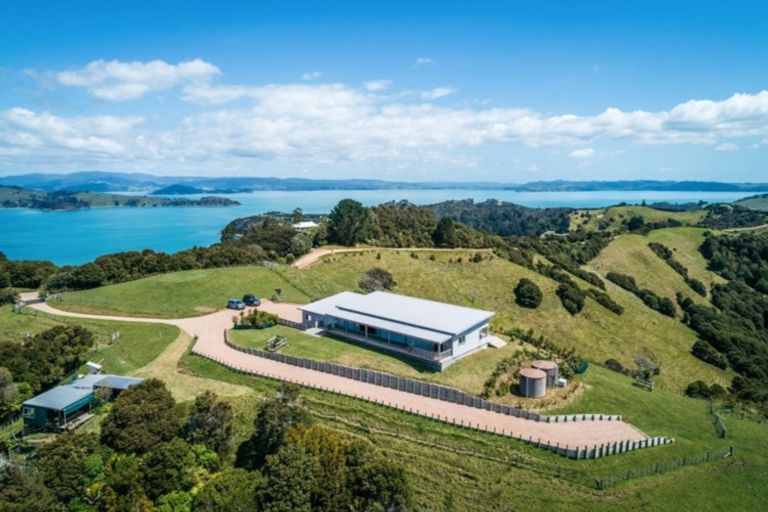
[[661, 467]]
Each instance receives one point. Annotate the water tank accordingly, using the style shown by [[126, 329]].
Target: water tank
[[533, 382], [550, 368]]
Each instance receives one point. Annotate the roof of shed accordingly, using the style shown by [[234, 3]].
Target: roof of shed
[[58, 398]]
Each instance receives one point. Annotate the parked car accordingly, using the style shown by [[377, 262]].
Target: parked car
[[251, 300], [235, 304]]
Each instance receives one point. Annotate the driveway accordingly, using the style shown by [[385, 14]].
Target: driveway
[[210, 332]]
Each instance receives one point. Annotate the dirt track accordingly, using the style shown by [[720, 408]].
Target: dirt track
[[210, 332]]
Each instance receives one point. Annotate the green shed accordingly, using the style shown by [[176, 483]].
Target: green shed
[[56, 407]]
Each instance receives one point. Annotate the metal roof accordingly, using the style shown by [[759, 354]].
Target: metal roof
[[58, 398], [117, 382], [426, 319], [86, 381]]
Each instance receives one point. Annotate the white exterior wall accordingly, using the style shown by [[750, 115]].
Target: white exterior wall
[[472, 341]]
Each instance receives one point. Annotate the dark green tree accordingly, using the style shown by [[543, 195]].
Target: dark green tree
[[348, 222], [274, 419], [123, 490], [233, 490], [289, 480], [62, 462], [571, 297], [528, 294], [141, 418], [210, 423], [22, 491], [445, 233], [169, 467]]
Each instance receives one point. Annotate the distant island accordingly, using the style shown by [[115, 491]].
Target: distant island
[[17, 197], [98, 181]]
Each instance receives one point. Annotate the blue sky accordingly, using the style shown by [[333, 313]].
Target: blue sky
[[499, 91]]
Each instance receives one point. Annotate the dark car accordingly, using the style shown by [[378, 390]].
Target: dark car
[[251, 300], [235, 304]]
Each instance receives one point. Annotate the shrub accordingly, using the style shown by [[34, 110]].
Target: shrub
[[606, 301], [528, 294], [571, 297], [708, 354], [377, 279]]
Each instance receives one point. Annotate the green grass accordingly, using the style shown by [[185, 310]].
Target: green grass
[[458, 469], [180, 294], [757, 202], [685, 243], [615, 215], [468, 374], [137, 345], [630, 254]]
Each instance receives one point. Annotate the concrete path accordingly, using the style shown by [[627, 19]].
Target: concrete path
[[210, 332]]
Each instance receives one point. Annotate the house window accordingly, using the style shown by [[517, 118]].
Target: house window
[[28, 412], [462, 340]]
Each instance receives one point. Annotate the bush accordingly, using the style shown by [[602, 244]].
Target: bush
[[528, 294], [377, 279], [708, 354], [571, 297], [606, 301]]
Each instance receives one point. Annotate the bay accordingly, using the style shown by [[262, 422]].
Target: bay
[[75, 237]]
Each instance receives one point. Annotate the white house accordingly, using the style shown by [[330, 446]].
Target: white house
[[434, 333], [304, 225]]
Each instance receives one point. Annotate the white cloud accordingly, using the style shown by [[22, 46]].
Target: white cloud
[[436, 93], [377, 85], [30, 132], [582, 153], [423, 61], [311, 75], [120, 81], [726, 146]]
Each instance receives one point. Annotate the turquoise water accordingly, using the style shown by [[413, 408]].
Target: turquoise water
[[74, 237]]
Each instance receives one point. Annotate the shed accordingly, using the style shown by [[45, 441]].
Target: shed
[[117, 382], [55, 407]]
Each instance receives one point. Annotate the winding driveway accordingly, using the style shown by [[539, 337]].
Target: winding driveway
[[209, 330]]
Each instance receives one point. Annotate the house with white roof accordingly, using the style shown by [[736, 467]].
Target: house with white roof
[[305, 225], [434, 333]]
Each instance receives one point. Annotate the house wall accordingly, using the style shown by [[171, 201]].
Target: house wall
[[472, 340]]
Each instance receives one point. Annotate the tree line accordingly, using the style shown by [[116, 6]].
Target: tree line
[[151, 454]]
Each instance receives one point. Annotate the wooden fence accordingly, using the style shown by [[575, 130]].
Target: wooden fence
[[661, 467], [417, 387]]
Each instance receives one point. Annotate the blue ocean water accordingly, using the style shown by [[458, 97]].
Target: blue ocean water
[[74, 237]]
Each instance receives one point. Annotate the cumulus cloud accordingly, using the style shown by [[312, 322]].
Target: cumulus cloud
[[436, 93], [31, 132], [311, 75], [120, 81], [582, 153], [423, 61], [377, 85], [726, 146], [327, 122]]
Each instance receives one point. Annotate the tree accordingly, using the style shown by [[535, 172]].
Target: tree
[[289, 474], [571, 297], [210, 423], [376, 279], [178, 501], [62, 462], [8, 391], [123, 490], [22, 491], [233, 490], [445, 233], [348, 222], [297, 215], [141, 418], [528, 294], [274, 419], [381, 484], [168, 468]]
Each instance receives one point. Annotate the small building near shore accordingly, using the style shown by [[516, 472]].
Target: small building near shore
[[434, 333], [66, 407], [305, 225]]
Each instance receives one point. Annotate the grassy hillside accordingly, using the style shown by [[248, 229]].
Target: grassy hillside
[[685, 243], [630, 254], [596, 333], [137, 345], [757, 202], [608, 219], [180, 294], [455, 469]]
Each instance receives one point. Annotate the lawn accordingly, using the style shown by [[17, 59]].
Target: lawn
[[180, 294], [685, 243], [137, 345], [468, 374]]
